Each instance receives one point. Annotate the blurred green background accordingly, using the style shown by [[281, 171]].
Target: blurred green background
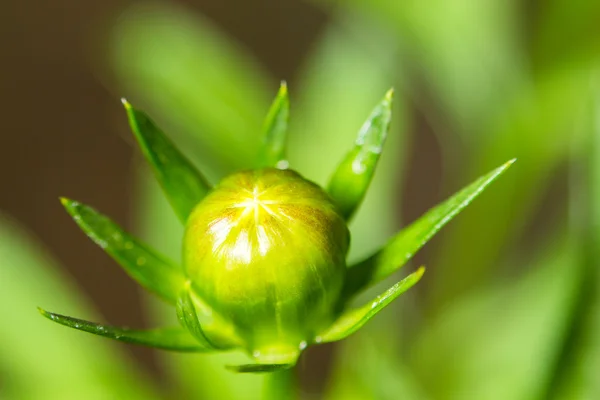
[[510, 305]]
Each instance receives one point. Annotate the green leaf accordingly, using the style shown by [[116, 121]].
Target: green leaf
[[176, 339], [259, 368], [353, 320], [186, 312], [272, 152], [181, 182], [352, 177], [406, 243], [149, 269]]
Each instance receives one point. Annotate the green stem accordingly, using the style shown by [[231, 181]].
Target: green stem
[[281, 385]]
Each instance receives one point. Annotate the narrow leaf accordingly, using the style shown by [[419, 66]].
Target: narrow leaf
[[186, 312], [181, 182], [272, 152], [259, 368], [351, 180], [176, 339], [353, 320], [149, 269], [406, 243]]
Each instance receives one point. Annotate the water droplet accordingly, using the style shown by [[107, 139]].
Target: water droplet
[[128, 245], [282, 164], [318, 339], [303, 345], [256, 354], [358, 167], [141, 261], [375, 149], [374, 304]]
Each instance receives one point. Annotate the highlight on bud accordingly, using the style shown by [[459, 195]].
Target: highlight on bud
[[264, 251]]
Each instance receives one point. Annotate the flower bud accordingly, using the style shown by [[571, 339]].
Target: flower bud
[[265, 250]]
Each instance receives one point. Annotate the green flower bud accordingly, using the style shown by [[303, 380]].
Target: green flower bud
[[265, 250]]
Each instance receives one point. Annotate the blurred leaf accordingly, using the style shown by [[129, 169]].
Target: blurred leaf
[[186, 313], [467, 53], [176, 339], [537, 127], [351, 179], [193, 80], [42, 361], [406, 243], [272, 151], [181, 182], [149, 269], [352, 320], [259, 368], [499, 342], [575, 369]]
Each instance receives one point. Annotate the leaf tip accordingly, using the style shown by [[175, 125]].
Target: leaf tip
[[501, 169], [283, 89], [46, 314], [126, 104], [389, 95], [65, 201], [69, 205], [419, 272]]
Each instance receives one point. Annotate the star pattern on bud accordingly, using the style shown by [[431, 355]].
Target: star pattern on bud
[[264, 267]]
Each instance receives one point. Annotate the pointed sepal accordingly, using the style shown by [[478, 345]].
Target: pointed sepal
[[350, 181], [353, 320], [273, 150], [181, 182], [175, 339], [259, 368], [149, 269], [406, 243], [186, 313]]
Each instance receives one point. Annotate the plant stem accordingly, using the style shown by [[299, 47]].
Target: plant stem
[[281, 385]]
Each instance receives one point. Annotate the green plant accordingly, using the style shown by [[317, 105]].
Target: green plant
[[264, 254]]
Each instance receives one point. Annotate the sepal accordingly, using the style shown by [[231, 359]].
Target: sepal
[[144, 265], [176, 339], [181, 182], [273, 150], [407, 242], [352, 320], [352, 178]]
